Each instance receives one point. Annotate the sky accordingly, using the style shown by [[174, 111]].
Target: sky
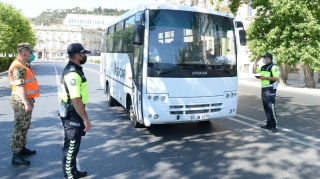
[[33, 8]]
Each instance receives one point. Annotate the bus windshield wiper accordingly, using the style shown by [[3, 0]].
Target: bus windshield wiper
[[173, 69], [226, 70], [221, 67]]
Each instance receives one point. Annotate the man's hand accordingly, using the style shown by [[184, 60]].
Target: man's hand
[[264, 78], [79, 107], [28, 108], [87, 125]]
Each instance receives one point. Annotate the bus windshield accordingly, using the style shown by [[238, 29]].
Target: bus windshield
[[181, 41]]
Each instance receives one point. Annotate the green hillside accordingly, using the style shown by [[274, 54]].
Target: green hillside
[[52, 17]]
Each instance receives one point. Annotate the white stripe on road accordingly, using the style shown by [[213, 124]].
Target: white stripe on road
[[284, 129], [279, 134], [94, 71], [58, 85]]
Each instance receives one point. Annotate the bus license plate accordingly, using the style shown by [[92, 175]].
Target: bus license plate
[[197, 117]]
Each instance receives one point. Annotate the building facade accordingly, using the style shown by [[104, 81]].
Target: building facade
[[52, 41], [88, 21]]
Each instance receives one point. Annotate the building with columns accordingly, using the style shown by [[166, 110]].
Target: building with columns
[[88, 21], [53, 40]]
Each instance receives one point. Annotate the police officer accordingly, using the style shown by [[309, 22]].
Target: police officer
[[76, 122], [24, 89], [269, 82]]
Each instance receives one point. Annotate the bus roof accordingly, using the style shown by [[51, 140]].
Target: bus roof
[[142, 7]]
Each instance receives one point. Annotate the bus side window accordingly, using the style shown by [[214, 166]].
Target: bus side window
[[127, 35], [110, 41]]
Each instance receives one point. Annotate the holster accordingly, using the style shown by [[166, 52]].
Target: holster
[[63, 109]]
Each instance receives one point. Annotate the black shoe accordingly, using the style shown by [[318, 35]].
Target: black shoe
[[19, 160], [81, 174], [25, 151], [266, 127], [274, 130]]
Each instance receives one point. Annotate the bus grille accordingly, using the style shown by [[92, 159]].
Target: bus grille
[[195, 109]]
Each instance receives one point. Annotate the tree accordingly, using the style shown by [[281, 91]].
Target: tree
[[289, 29], [14, 29]]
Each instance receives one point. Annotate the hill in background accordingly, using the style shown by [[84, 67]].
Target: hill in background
[[57, 16]]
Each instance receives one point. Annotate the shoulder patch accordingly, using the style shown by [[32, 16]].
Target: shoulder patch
[[73, 82], [276, 69], [72, 68]]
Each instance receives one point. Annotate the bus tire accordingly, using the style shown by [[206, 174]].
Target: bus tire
[[133, 117], [110, 99]]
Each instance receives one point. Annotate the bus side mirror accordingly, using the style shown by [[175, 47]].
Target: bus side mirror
[[242, 37], [239, 24], [138, 34]]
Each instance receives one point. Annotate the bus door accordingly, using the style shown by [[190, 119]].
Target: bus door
[[137, 81]]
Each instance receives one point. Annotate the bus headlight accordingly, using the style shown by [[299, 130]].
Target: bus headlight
[[227, 95], [149, 97], [163, 98], [156, 116], [156, 98]]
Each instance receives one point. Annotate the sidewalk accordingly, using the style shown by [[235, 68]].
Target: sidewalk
[[250, 77]]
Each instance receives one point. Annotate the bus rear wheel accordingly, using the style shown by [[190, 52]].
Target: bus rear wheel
[[110, 99]]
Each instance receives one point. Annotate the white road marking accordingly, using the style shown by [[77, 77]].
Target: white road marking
[[94, 71], [280, 134], [58, 85]]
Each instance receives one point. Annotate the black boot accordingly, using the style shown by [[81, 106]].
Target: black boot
[[81, 174], [19, 160], [25, 151]]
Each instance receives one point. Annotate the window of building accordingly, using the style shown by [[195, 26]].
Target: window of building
[[250, 11], [54, 44], [47, 44], [295, 68]]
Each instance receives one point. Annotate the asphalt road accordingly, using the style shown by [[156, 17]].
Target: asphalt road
[[233, 148]]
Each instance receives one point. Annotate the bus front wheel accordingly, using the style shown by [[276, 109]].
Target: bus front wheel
[[110, 99], [133, 117]]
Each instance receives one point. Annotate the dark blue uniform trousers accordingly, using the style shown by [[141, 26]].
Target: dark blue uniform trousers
[[73, 131], [268, 95]]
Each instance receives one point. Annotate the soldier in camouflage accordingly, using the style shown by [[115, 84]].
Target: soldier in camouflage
[[24, 90]]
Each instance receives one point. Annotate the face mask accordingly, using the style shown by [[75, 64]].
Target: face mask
[[263, 61], [84, 60], [32, 57]]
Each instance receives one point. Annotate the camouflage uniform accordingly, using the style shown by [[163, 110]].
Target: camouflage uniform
[[22, 119]]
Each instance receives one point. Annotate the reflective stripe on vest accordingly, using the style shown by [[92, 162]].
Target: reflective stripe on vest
[[32, 91], [31, 84]]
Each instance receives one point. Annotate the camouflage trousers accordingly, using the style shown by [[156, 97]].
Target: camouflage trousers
[[22, 122]]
